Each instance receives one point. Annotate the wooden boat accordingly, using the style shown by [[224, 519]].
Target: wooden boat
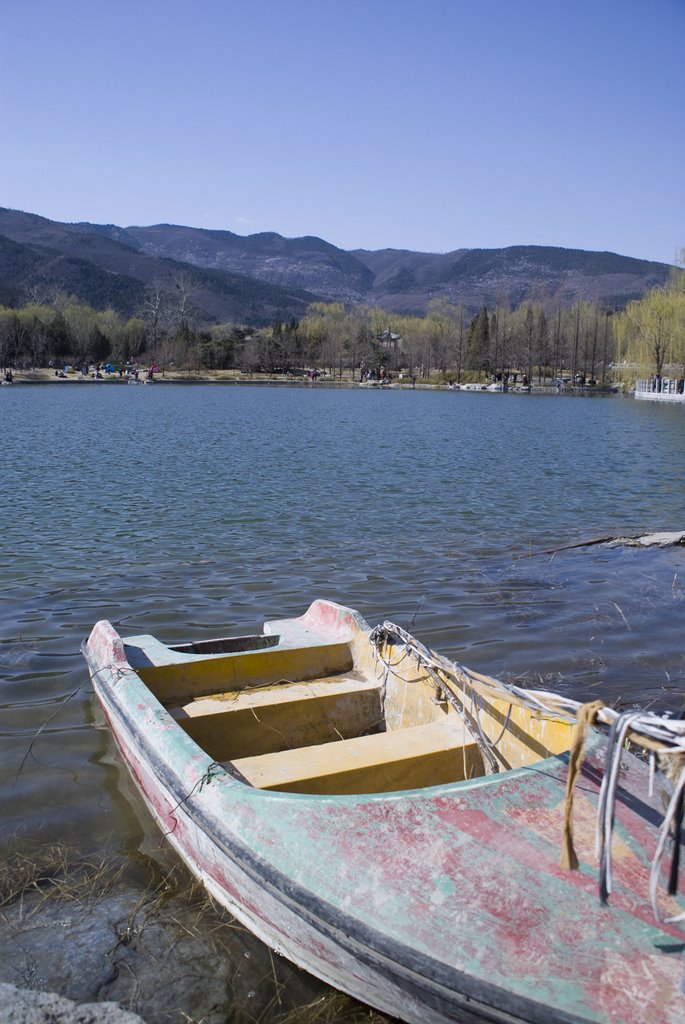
[[392, 822]]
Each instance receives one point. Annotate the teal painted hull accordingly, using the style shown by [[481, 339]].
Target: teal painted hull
[[440, 904]]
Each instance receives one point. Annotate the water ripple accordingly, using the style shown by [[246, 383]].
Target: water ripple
[[188, 512]]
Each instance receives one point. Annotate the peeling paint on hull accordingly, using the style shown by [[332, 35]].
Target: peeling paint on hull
[[434, 905]]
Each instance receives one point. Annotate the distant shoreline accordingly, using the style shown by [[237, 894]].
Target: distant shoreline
[[48, 376], [239, 379], [223, 377]]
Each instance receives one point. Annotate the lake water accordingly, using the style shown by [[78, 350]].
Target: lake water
[[198, 510]]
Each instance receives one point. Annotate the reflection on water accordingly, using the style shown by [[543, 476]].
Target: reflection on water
[[194, 512]]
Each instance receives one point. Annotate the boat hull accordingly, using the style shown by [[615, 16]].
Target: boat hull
[[438, 905], [294, 924]]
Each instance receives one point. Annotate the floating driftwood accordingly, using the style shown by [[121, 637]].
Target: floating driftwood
[[648, 540], [638, 540]]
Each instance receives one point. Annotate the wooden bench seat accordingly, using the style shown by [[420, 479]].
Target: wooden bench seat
[[423, 755], [177, 676], [262, 720]]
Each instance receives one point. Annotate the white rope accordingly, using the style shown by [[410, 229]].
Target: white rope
[[661, 729], [377, 638], [491, 743], [607, 799], [661, 847]]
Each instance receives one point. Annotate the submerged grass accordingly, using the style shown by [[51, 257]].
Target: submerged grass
[[167, 895], [333, 1008], [54, 871], [59, 871]]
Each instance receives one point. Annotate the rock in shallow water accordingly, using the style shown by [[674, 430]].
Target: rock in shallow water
[[158, 948], [19, 1006]]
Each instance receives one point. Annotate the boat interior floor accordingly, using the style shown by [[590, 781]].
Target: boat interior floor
[[326, 735], [316, 718]]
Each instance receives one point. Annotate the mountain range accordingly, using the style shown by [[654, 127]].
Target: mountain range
[[255, 279]]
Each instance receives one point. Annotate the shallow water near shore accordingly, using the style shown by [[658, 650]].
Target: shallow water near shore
[[196, 511]]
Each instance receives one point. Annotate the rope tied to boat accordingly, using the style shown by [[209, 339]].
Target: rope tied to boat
[[660, 736], [586, 716], [606, 807], [389, 633], [671, 826]]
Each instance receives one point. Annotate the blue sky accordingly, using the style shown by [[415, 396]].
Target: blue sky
[[419, 124]]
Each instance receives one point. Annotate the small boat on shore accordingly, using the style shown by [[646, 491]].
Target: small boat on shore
[[392, 822]]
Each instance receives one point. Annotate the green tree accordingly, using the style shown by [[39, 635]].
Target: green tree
[[645, 331], [81, 323], [323, 327], [39, 319], [542, 343], [478, 343], [112, 329], [445, 326], [134, 339], [8, 327]]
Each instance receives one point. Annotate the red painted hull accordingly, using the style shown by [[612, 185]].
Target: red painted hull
[[436, 905]]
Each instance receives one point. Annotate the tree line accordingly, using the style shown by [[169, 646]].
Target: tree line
[[650, 333], [541, 339]]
